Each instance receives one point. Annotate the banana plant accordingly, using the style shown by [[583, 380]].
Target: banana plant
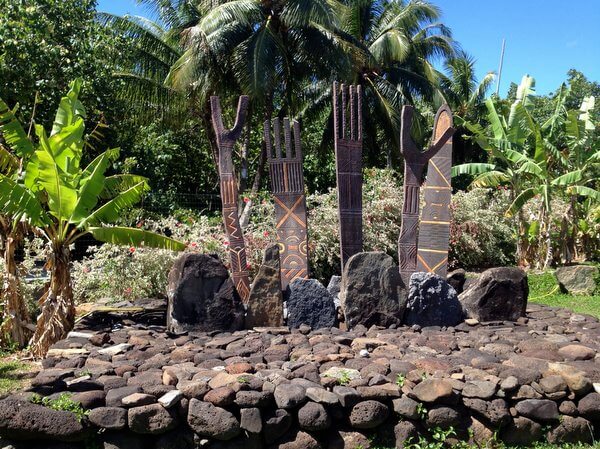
[[534, 161], [63, 201]]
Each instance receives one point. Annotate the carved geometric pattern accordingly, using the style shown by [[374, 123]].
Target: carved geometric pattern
[[434, 234], [414, 164], [226, 139], [348, 158], [287, 185]]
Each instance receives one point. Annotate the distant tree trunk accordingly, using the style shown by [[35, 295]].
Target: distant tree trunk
[[262, 160], [58, 308]]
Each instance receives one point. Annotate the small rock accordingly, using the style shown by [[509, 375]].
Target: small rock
[[251, 420], [577, 352], [313, 417], [368, 414], [214, 422], [151, 419], [170, 398], [571, 430], [288, 395], [538, 409], [137, 400], [432, 390], [116, 349], [112, 418], [589, 406]]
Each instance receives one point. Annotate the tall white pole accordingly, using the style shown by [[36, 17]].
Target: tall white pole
[[501, 64]]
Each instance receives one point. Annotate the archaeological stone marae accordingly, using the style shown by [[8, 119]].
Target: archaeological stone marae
[[391, 352]]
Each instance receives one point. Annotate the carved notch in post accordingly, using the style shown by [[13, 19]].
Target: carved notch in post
[[414, 164], [287, 185], [348, 160], [226, 139], [434, 233]]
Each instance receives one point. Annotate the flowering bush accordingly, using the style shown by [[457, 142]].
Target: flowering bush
[[480, 237]]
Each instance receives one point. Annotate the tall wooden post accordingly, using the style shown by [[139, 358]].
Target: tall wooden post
[[414, 164], [432, 255], [287, 185], [348, 159], [226, 139]]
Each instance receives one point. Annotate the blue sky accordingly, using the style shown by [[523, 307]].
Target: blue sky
[[544, 38]]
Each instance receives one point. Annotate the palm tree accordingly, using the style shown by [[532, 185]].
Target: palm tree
[[392, 46], [461, 90]]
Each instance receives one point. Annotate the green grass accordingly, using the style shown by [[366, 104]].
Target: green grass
[[13, 375], [543, 289]]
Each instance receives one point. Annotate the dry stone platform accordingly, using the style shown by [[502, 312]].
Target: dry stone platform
[[145, 387]]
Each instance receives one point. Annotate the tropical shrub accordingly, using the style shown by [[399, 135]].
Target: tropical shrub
[[480, 237]]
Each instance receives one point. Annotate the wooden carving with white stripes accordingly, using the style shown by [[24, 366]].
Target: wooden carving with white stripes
[[226, 139], [287, 185], [434, 228], [414, 164]]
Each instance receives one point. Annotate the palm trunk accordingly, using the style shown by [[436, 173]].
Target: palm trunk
[[262, 160], [58, 308], [16, 318]]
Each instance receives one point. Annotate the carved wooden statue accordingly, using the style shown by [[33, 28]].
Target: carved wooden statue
[[434, 228], [414, 164], [226, 139], [287, 185], [348, 158]]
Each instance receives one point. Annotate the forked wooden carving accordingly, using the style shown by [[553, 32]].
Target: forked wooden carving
[[287, 185], [226, 139], [434, 228], [414, 164], [348, 159]]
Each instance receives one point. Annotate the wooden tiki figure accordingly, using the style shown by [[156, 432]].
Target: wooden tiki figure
[[414, 164], [287, 185], [226, 139], [348, 160], [434, 228]]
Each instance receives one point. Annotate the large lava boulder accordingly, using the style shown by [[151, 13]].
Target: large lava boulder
[[372, 291], [202, 296], [578, 279], [265, 305], [432, 302], [499, 294], [310, 303]]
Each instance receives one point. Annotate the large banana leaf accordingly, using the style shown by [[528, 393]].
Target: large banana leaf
[[111, 211], [519, 124], [8, 162], [567, 179], [62, 196], [20, 203], [135, 237], [90, 188], [113, 185], [584, 191], [520, 201], [491, 179], [472, 169], [70, 108], [495, 121], [13, 132]]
